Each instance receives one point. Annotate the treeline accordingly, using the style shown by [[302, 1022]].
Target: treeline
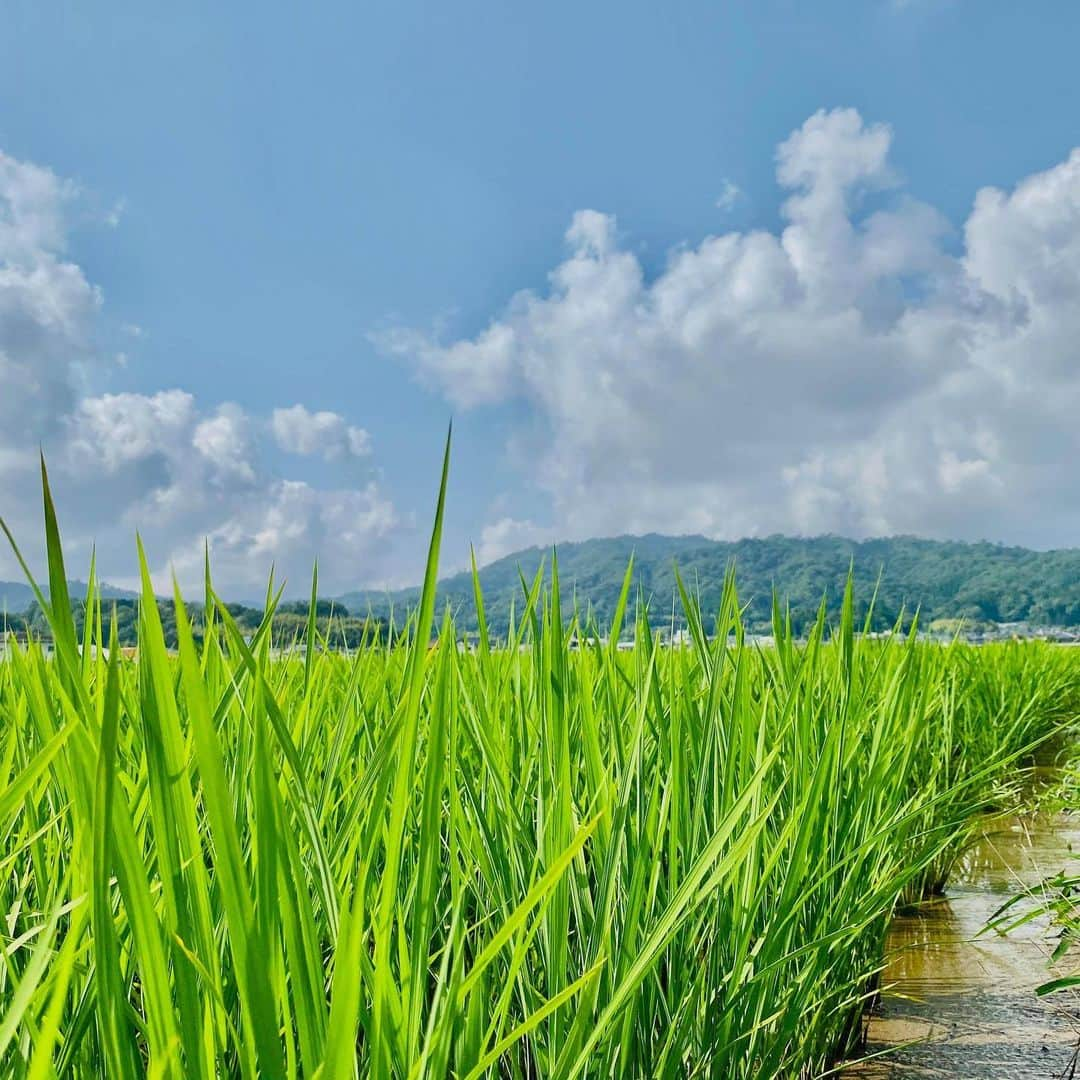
[[289, 624]]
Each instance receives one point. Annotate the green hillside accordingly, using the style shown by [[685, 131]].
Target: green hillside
[[979, 582]]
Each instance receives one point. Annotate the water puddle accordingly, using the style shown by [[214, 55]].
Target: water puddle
[[965, 1003]]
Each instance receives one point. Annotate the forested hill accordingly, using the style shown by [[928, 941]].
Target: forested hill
[[947, 580], [979, 582]]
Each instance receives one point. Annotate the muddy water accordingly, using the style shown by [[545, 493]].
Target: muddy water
[[960, 1003]]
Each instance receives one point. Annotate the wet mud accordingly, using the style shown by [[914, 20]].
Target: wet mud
[[958, 1001]]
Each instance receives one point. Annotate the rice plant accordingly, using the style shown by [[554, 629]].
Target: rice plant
[[523, 860]]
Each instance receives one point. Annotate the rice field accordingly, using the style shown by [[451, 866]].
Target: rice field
[[521, 860]]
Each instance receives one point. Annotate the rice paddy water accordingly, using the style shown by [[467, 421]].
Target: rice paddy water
[[520, 860], [960, 999]]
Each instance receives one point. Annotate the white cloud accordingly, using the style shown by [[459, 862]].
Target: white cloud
[[853, 372], [32, 222], [165, 463], [114, 430], [287, 523], [469, 372], [224, 441], [115, 213], [509, 534], [299, 431], [47, 307], [730, 194]]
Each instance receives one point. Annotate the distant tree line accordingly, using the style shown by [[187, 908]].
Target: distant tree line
[[289, 624]]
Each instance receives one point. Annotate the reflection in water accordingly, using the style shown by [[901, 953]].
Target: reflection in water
[[964, 999]]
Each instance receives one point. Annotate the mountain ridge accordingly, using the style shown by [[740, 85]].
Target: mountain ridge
[[978, 581], [16, 596]]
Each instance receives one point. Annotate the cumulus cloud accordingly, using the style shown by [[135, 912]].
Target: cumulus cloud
[[224, 441], [299, 431], [286, 523], [47, 307], [864, 370], [510, 534], [114, 430], [175, 468]]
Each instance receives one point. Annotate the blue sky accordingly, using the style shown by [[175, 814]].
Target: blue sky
[[273, 207]]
